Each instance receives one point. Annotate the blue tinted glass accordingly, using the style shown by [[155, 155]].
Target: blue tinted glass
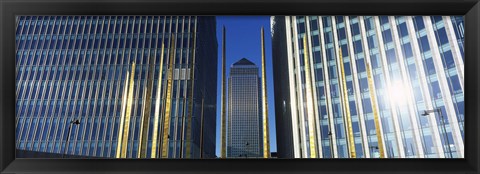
[[339, 19], [455, 85], [340, 131], [419, 24], [372, 42], [344, 50], [353, 108], [358, 46], [436, 93], [370, 126], [326, 21], [383, 19], [332, 72], [376, 63], [347, 69], [314, 24], [417, 94], [328, 37], [448, 58], [319, 74], [387, 36], [461, 110], [364, 84], [391, 56], [424, 44], [442, 36], [412, 70], [430, 67], [407, 50], [360, 65], [369, 24], [436, 19], [341, 34], [402, 29], [330, 55], [355, 29]]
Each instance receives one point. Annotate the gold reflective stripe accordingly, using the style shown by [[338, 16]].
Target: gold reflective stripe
[[142, 121], [122, 117], [128, 111], [147, 102], [345, 102], [309, 96], [157, 108], [168, 102], [371, 87], [142, 152], [266, 139]]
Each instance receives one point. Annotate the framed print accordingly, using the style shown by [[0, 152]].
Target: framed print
[[239, 86]]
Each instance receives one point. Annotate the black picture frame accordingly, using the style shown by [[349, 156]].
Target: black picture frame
[[9, 8]]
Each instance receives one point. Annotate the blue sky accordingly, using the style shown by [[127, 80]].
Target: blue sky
[[243, 40]]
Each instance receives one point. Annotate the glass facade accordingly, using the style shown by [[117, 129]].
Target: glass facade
[[245, 132], [374, 78], [137, 85]]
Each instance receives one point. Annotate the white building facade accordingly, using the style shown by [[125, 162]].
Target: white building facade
[[375, 86]]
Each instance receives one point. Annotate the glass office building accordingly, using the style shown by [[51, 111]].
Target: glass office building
[[245, 131], [137, 85], [369, 86]]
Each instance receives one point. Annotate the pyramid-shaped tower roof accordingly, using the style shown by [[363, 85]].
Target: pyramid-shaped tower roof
[[244, 61]]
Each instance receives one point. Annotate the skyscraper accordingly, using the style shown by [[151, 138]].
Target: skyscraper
[[245, 132], [139, 85], [369, 86]]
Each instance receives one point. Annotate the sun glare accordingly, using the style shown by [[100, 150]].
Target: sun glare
[[398, 93]]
